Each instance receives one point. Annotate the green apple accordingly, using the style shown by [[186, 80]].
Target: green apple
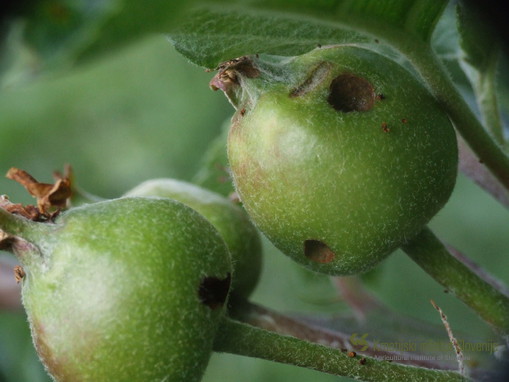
[[131, 289], [230, 220], [339, 155]]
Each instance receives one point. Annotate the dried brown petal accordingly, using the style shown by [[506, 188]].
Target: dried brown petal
[[19, 273], [48, 195]]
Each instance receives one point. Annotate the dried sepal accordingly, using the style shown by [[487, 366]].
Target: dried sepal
[[30, 212], [49, 196], [19, 273]]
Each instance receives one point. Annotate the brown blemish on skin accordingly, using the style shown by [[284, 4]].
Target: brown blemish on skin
[[213, 291], [315, 78], [55, 366], [385, 127], [349, 92], [318, 251], [352, 354], [19, 273]]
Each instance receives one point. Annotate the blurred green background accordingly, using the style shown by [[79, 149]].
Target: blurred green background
[[144, 112]]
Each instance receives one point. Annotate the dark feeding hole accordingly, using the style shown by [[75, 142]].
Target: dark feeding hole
[[213, 291], [349, 92], [318, 251]]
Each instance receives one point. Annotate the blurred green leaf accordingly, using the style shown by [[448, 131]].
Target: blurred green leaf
[[213, 32], [143, 113], [60, 32], [478, 40], [481, 52]]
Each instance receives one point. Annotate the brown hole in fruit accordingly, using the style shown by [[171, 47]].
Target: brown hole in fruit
[[318, 251], [213, 291], [349, 92]]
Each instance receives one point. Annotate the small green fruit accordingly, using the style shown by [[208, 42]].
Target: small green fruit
[[230, 220], [130, 289], [339, 155]]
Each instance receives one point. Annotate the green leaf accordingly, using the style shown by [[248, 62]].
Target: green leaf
[[212, 32], [60, 31], [417, 17], [480, 55], [478, 41]]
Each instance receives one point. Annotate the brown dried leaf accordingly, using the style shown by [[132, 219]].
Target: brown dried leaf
[[29, 211], [19, 273], [48, 196]]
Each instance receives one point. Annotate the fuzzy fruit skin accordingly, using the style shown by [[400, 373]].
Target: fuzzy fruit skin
[[230, 220], [306, 171], [113, 295]]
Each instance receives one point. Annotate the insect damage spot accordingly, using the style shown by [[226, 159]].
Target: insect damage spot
[[318, 251], [349, 92], [317, 75], [213, 291]]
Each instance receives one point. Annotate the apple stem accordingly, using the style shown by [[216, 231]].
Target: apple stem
[[11, 224], [491, 304], [19, 234], [239, 338]]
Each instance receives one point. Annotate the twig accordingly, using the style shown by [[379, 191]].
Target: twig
[[356, 296], [434, 258], [239, 338], [454, 342], [470, 165], [267, 319], [478, 270]]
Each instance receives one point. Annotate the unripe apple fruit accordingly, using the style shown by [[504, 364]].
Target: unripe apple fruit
[[130, 289], [339, 155], [230, 220]]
